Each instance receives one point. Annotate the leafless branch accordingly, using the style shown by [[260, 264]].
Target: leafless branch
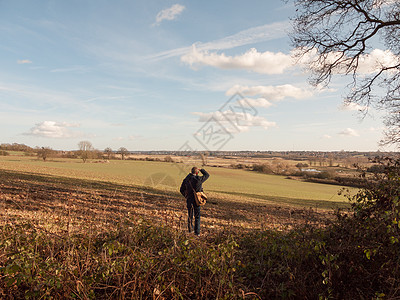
[[342, 33]]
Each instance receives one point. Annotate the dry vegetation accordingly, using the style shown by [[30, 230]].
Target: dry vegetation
[[63, 237], [70, 238]]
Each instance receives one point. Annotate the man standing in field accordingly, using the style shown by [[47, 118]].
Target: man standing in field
[[193, 182]]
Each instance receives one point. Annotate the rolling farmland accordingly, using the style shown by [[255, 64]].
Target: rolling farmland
[[237, 185]]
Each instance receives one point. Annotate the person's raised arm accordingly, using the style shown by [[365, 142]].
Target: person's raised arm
[[205, 175]]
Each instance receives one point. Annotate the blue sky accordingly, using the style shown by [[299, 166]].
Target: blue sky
[[155, 75]]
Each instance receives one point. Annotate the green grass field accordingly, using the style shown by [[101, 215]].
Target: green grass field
[[232, 184]]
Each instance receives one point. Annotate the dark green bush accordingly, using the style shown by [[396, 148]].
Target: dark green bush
[[302, 165], [376, 169], [239, 166], [355, 256]]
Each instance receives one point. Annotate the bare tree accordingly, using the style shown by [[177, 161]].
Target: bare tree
[[337, 36], [85, 150], [108, 151], [204, 155], [123, 152], [44, 152]]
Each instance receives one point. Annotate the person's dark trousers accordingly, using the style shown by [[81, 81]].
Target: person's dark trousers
[[193, 210]]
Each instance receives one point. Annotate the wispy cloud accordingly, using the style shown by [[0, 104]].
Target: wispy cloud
[[245, 37], [77, 69], [349, 132], [23, 61], [376, 129], [252, 35], [52, 129], [135, 137], [40, 96], [169, 14], [105, 98]]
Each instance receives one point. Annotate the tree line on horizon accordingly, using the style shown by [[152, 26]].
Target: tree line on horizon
[[85, 151]]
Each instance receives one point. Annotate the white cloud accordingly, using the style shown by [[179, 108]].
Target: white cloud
[[326, 137], [376, 60], [271, 93], [243, 121], [261, 62], [382, 3], [245, 37], [367, 64], [352, 107], [259, 102], [349, 132], [23, 61], [170, 13], [52, 129]]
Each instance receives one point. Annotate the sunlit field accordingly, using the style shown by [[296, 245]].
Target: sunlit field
[[232, 184]]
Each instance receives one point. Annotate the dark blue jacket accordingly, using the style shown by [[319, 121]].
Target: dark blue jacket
[[196, 182]]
